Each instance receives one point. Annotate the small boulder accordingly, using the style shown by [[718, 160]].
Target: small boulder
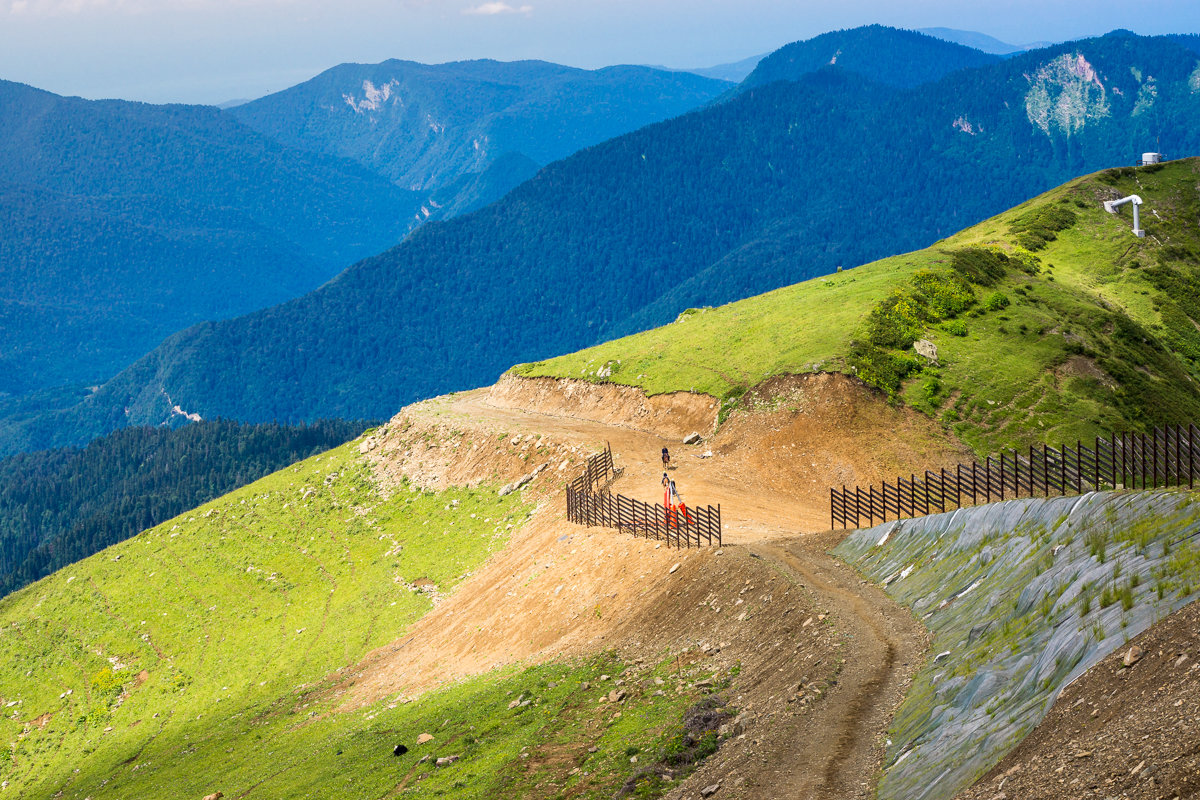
[[693, 438], [710, 790], [214, 796], [926, 348], [616, 695], [424, 737], [446, 761], [1132, 656]]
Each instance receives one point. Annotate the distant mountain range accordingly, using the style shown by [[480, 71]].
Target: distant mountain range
[[424, 126], [125, 222], [786, 181], [885, 55], [981, 41]]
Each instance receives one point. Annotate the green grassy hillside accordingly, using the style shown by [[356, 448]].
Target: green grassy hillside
[[1052, 321], [196, 657]]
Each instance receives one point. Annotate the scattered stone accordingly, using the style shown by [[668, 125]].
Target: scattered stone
[[674, 567], [1132, 656], [926, 348], [424, 737], [693, 438], [593, 749], [710, 790], [446, 761], [616, 695], [214, 796]]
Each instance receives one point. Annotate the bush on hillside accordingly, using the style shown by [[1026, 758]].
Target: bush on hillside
[[881, 368], [980, 265], [1035, 228]]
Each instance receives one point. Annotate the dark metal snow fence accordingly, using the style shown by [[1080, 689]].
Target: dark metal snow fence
[[1168, 456], [589, 502]]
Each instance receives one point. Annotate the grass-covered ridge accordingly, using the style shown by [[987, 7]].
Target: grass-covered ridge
[[1069, 326]]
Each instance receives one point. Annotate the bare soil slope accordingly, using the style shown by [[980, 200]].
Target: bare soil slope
[[824, 658], [1119, 731]]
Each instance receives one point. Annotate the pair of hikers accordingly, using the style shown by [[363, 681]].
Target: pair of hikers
[[670, 493]]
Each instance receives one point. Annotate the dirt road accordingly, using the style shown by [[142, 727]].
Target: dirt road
[[829, 748]]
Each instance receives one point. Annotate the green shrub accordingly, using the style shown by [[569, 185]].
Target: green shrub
[[880, 368], [945, 293], [1041, 225], [954, 327], [996, 301], [981, 265]]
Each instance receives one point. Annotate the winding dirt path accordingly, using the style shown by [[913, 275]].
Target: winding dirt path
[[883, 648], [773, 526]]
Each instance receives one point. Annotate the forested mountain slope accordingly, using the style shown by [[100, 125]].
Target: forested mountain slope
[[784, 182], [424, 126], [125, 221], [885, 55]]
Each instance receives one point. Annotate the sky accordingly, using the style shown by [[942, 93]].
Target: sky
[[211, 51]]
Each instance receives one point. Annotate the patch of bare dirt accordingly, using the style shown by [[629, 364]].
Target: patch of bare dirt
[[1079, 366], [672, 416], [1118, 731]]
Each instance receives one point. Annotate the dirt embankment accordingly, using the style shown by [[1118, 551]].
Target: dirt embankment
[[433, 449], [798, 435], [671, 416], [819, 664], [1118, 731]]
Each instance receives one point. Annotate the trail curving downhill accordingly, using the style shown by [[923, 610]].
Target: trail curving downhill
[[812, 735]]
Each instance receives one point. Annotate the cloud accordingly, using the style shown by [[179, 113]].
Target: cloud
[[491, 9]]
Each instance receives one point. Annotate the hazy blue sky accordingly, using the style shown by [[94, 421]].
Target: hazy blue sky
[[214, 50]]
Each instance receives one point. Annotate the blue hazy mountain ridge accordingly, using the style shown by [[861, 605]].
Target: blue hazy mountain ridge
[[126, 221], [981, 41], [424, 126], [784, 182], [885, 55]]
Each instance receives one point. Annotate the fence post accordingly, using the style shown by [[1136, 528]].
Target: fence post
[[1154, 456], [832, 507], [1191, 452], [1113, 453]]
